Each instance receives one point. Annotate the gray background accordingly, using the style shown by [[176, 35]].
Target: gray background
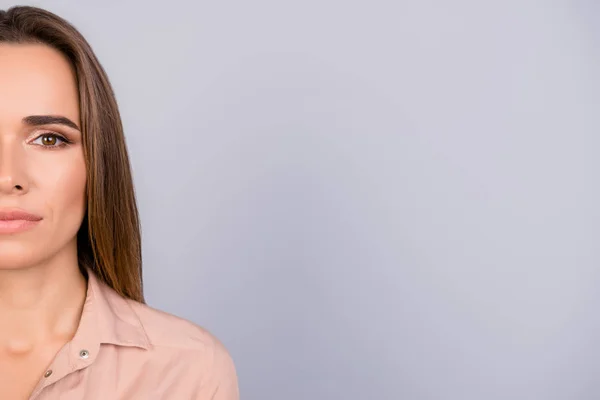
[[369, 200]]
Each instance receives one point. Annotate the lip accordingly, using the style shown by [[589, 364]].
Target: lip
[[16, 220]]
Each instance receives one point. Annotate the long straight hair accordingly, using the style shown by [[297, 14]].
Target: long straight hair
[[109, 239]]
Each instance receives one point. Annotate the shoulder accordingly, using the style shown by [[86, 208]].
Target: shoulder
[[162, 353], [181, 341], [167, 330]]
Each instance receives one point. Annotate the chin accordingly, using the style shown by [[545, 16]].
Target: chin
[[14, 255]]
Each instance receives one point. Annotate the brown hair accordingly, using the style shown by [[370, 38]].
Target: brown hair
[[109, 239]]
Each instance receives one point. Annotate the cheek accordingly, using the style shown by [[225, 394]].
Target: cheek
[[63, 190]]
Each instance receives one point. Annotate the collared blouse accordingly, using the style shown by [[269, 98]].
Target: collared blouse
[[123, 349]]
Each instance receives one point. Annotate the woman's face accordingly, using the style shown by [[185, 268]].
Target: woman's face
[[40, 171]]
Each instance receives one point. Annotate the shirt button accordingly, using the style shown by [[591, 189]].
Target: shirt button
[[48, 373], [84, 354]]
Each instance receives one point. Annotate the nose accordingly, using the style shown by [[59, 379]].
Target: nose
[[12, 173]]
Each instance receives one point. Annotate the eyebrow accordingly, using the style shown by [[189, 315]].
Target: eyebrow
[[35, 120]]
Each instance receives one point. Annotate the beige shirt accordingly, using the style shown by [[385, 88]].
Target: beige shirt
[[127, 350]]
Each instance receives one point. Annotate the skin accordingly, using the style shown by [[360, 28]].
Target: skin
[[41, 289]]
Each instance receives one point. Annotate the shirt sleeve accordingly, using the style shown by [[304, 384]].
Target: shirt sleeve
[[222, 382]]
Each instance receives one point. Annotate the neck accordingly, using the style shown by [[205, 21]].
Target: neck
[[41, 303]]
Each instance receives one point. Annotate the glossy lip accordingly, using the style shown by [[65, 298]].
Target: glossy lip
[[17, 220]]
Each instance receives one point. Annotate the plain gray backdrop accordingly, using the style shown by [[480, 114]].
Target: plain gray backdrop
[[369, 199]]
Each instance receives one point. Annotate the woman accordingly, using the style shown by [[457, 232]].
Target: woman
[[73, 323]]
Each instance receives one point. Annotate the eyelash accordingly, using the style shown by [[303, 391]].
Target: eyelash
[[65, 141]]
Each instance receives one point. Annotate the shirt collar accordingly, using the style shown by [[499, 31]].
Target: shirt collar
[[108, 318]]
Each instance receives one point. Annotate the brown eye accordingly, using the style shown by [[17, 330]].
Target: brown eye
[[50, 140]]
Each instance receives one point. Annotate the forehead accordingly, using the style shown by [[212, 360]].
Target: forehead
[[35, 79]]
